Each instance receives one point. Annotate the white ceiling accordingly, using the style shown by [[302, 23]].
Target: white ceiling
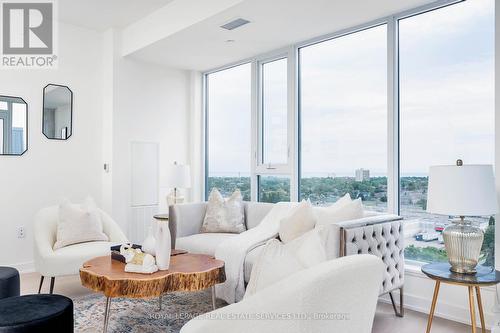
[[202, 46], [274, 24], [104, 14]]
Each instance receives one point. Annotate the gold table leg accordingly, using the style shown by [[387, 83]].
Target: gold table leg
[[472, 308], [480, 307], [433, 305], [214, 302]]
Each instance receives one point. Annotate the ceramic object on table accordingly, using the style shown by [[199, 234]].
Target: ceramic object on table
[[163, 249], [137, 261]]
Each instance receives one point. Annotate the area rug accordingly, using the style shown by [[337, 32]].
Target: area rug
[[136, 315]]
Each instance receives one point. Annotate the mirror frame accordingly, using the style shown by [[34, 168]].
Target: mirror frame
[[71, 114], [27, 126]]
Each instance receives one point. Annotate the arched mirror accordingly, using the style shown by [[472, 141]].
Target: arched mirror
[[57, 112], [13, 125]]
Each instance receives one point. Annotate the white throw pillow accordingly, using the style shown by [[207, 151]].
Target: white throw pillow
[[338, 213], [301, 220], [278, 261], [346, 199], [78, 224], [224, 215]]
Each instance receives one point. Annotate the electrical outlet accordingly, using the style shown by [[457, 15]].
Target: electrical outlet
[[21, 233]]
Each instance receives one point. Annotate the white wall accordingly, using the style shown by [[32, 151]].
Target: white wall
[[196, 139], [152, 105], [52, 169], [62, 117], [116, 101]]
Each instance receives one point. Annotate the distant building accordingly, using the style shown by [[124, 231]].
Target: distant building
[[362, 174]]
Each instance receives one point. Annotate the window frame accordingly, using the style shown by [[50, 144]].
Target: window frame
[[205, 116], [391, 165], [261, 167]]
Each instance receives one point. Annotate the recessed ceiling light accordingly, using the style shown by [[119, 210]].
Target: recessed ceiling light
[[235, 24]]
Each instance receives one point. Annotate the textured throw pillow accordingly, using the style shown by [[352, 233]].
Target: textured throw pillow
[[301, 220], [338, 213], [277, 260], [78, 224], [224, 215], [346, 199]]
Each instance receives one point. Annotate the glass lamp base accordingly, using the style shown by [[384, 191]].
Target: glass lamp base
[[463, 243], [174, 197], [461, 270]]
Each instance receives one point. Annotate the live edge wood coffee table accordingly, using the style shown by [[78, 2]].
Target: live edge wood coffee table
[[187, 272]]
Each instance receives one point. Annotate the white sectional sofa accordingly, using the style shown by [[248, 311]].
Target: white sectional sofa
[[343, 293], [377, 234]]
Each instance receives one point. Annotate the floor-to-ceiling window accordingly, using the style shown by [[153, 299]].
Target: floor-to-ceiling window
[[228, 126], [343, 112], [372, 109], [446, 59]]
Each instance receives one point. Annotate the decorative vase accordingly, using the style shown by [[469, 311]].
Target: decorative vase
[[163, 243], [149, 244], [463, 243]]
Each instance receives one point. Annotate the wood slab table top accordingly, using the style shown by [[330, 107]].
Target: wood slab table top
[[187, 272]]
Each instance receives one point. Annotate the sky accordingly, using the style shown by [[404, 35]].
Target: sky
[[275, 113], [447, 99]]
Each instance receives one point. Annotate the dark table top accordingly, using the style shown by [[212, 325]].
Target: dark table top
[[485, 275]]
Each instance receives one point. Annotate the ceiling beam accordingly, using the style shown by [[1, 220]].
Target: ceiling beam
[[177, 15]]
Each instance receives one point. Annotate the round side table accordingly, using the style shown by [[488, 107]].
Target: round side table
[[163, 217], [485, 276]]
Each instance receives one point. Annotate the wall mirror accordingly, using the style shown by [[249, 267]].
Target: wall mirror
[[13, 125], [57, 112]]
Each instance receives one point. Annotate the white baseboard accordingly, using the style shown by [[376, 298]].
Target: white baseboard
[[24, 267], [444, 310]]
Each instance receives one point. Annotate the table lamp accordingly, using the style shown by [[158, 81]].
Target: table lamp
[[179, 176], [462, 190]]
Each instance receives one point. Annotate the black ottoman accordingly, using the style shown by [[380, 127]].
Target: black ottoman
[[9, 282], [36, 313]]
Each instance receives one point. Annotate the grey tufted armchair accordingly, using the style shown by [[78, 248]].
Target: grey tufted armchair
[[385, 240]]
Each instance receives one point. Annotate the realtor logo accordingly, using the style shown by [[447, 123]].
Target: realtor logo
[[28, 34]]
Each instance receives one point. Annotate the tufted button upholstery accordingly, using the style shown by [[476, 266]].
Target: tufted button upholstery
[[385, 241]]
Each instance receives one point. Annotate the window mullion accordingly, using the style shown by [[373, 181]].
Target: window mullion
[[392, 117], [255, 141], [293, 123]]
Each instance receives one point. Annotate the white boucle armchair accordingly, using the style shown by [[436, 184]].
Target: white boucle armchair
[[67, 260], [339, 295]]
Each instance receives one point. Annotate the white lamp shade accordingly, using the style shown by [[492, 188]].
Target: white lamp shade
[[179, 176], [467, 190]]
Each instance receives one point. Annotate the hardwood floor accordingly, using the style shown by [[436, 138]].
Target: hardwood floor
[[413, 322], [385, 321]]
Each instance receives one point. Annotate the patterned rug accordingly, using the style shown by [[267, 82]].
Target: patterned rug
[[136, 315]]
